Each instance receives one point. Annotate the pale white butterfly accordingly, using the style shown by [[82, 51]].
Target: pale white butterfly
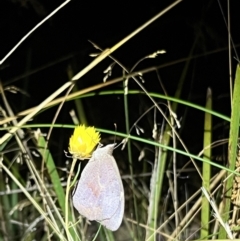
[[99, 194]]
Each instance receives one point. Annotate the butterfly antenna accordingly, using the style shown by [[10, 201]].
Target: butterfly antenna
[[115, 125]]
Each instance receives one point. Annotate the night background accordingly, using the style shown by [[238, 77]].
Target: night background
[[195, 37]]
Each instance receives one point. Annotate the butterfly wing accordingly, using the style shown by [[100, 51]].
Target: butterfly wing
[[99, 195]]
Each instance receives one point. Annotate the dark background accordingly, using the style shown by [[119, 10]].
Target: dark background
[[63, 41]]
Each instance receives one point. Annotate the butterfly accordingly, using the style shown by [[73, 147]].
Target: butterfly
[[99, 194]]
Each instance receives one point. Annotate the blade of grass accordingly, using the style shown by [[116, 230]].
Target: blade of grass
[[5, 225], [126, 111], [156, 189], [106, 234], [232, 151], [84, 94], [144, 140], [206, 170]]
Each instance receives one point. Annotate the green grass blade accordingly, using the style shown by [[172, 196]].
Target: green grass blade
[[156, 190], [206, 170], [126, 111], [232, 154], [52, 170]]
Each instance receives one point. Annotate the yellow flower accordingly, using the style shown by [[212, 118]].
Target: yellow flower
[[83, 141]]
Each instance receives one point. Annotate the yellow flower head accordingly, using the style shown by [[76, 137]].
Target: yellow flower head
[[83, 141]]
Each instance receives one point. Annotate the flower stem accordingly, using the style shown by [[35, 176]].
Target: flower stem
[[67, 197]]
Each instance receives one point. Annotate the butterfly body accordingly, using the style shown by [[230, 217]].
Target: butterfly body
[[99, 194]]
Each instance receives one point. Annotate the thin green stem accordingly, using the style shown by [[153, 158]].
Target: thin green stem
[[67, 198]]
